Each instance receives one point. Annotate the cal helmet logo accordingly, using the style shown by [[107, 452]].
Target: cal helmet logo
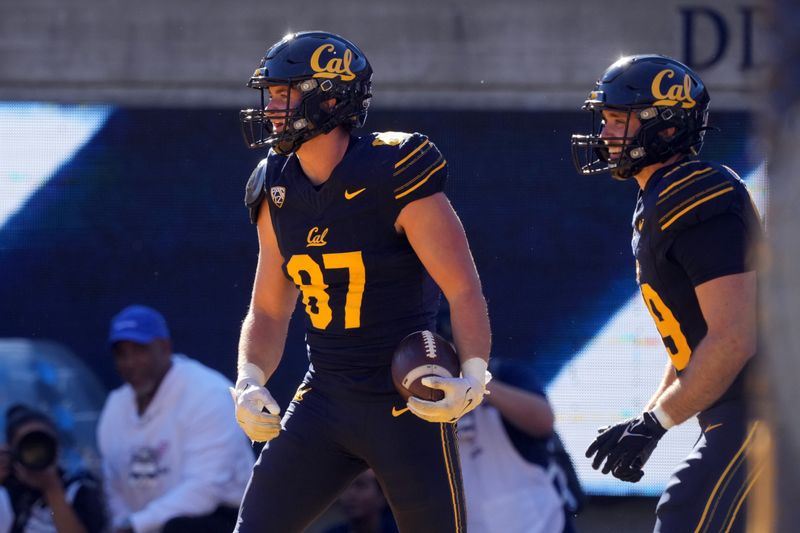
[[676, 94], [278, 195], [335, 67]]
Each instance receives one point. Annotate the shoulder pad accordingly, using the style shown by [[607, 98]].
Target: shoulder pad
[[256, 186], [254, 190], [389, 138], [695, 191]]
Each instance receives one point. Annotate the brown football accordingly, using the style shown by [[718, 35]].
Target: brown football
[[423, 353]]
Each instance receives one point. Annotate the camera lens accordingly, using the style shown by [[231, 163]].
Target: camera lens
[[36, 450]]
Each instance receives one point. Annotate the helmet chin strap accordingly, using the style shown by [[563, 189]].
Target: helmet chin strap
[[660, 149]]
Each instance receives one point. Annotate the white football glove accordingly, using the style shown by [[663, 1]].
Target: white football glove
[[251, 398], [461, 395]]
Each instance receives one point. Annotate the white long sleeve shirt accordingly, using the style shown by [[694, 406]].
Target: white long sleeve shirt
[[184, 456]]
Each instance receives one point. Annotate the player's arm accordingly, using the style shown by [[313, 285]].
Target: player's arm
[[272, 302], [437, 236], [667, 379], [729, 309], [263, 337]]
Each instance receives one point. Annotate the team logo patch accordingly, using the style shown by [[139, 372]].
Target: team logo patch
[[678, 93], [278, 195], [334, 67]]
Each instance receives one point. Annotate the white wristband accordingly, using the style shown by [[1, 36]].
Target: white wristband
[[663, 418], [252, 374], [475, 367]]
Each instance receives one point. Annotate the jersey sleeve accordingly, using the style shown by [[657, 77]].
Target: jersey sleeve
[[705, 218], [418, 169], [715, 248], [698, 192]]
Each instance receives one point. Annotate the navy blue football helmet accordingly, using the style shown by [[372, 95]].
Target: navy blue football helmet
[[322, 66], [662, 93]]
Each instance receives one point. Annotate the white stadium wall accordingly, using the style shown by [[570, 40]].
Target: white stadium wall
[[432, 54]]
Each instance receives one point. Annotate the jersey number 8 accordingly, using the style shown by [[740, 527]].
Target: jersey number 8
[[320, 311]]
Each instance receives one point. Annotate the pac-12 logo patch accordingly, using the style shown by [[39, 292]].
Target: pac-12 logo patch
[[278, 195]]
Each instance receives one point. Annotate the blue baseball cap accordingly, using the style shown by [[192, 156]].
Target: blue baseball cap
[[138, 323]]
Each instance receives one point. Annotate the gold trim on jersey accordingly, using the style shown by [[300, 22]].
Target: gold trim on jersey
[[731, 518], [421, 182], [737, 460], [454, 486], [702, 172], [680, 167], [302, 390], [409, 156], [688, 208]]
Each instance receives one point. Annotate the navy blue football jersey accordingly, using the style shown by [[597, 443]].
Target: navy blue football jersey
[[362, 285], [694, 222]]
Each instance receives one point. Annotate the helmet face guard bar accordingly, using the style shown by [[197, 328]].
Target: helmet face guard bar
[[593, 154], [309, 118], [258, 125]]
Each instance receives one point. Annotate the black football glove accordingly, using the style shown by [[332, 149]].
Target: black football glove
[[626, 447]]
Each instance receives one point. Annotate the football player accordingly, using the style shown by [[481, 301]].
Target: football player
[[359, 228], [694, 228]]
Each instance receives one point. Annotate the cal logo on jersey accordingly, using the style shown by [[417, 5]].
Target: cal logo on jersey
[[278, 195], [316, 237]]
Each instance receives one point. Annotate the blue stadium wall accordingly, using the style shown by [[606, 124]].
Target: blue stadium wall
[[146, 206], [150, 210]]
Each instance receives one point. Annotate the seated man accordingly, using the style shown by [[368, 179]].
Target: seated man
[[174, 458]]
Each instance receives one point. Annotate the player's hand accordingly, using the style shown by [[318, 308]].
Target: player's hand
[[256, 410], [461, 395], [626, 447]]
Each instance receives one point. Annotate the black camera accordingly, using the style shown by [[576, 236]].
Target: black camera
[[36, 451]]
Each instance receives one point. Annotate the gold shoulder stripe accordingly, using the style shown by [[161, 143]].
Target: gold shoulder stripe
[[692, 206], [406, 158], [418, 154], [678, 168], [687, 178], [686, 201], [420, 183]]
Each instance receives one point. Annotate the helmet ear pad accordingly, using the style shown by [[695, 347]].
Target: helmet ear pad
[[661, 143]]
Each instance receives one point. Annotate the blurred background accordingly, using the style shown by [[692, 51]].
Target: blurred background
[[122, 173]]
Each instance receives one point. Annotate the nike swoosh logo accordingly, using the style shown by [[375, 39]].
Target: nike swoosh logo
[[713, 426], [351, 195], [397, 412], [627, 433]]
